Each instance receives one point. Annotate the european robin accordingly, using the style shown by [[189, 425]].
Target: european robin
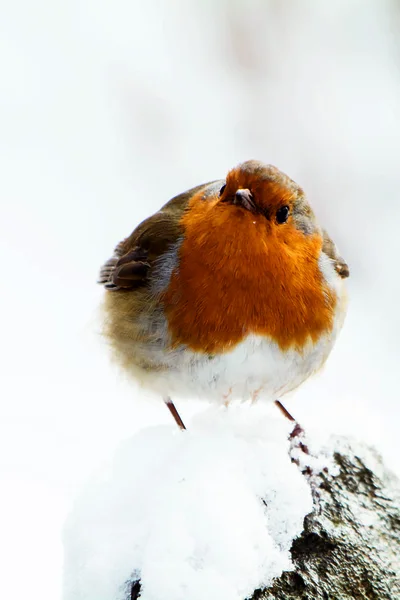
[[231, 290]]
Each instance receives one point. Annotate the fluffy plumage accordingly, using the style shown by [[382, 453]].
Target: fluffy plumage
[[231, 290]]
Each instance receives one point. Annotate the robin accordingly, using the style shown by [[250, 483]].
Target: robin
[[231, 290]]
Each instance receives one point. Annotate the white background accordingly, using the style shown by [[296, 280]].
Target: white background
[[107, 109]]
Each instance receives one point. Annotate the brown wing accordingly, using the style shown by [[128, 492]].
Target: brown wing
[[330, 249], [134, 256]]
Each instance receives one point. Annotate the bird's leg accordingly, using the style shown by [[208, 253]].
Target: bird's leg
[[297, 435], [297, 430], [174, 412], [284, 411]]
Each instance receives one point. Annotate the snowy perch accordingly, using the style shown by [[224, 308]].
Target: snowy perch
[[220, 511], [350, 546]]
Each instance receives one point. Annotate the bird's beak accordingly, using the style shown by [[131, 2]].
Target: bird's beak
[[244, 198]]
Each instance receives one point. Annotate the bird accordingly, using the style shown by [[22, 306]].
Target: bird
[[231, 291]]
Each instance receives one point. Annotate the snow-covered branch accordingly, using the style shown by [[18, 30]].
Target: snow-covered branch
[[232, 506]]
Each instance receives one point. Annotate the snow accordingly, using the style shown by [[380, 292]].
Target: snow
[[210, 512]]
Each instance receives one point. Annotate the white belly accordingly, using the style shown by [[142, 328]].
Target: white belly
[[255, 368]]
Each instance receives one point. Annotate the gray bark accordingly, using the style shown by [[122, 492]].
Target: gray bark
[[350, 545]]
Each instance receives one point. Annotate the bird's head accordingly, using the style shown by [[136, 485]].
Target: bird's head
[[262, 194], [258, 211]]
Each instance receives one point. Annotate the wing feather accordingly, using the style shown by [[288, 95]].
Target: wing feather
[[133, 258], [330, 249]]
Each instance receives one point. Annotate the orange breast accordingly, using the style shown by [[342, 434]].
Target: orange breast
[[239, 274]]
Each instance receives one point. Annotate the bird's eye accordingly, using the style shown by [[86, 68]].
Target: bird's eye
[[282, 214], [221, 191]]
